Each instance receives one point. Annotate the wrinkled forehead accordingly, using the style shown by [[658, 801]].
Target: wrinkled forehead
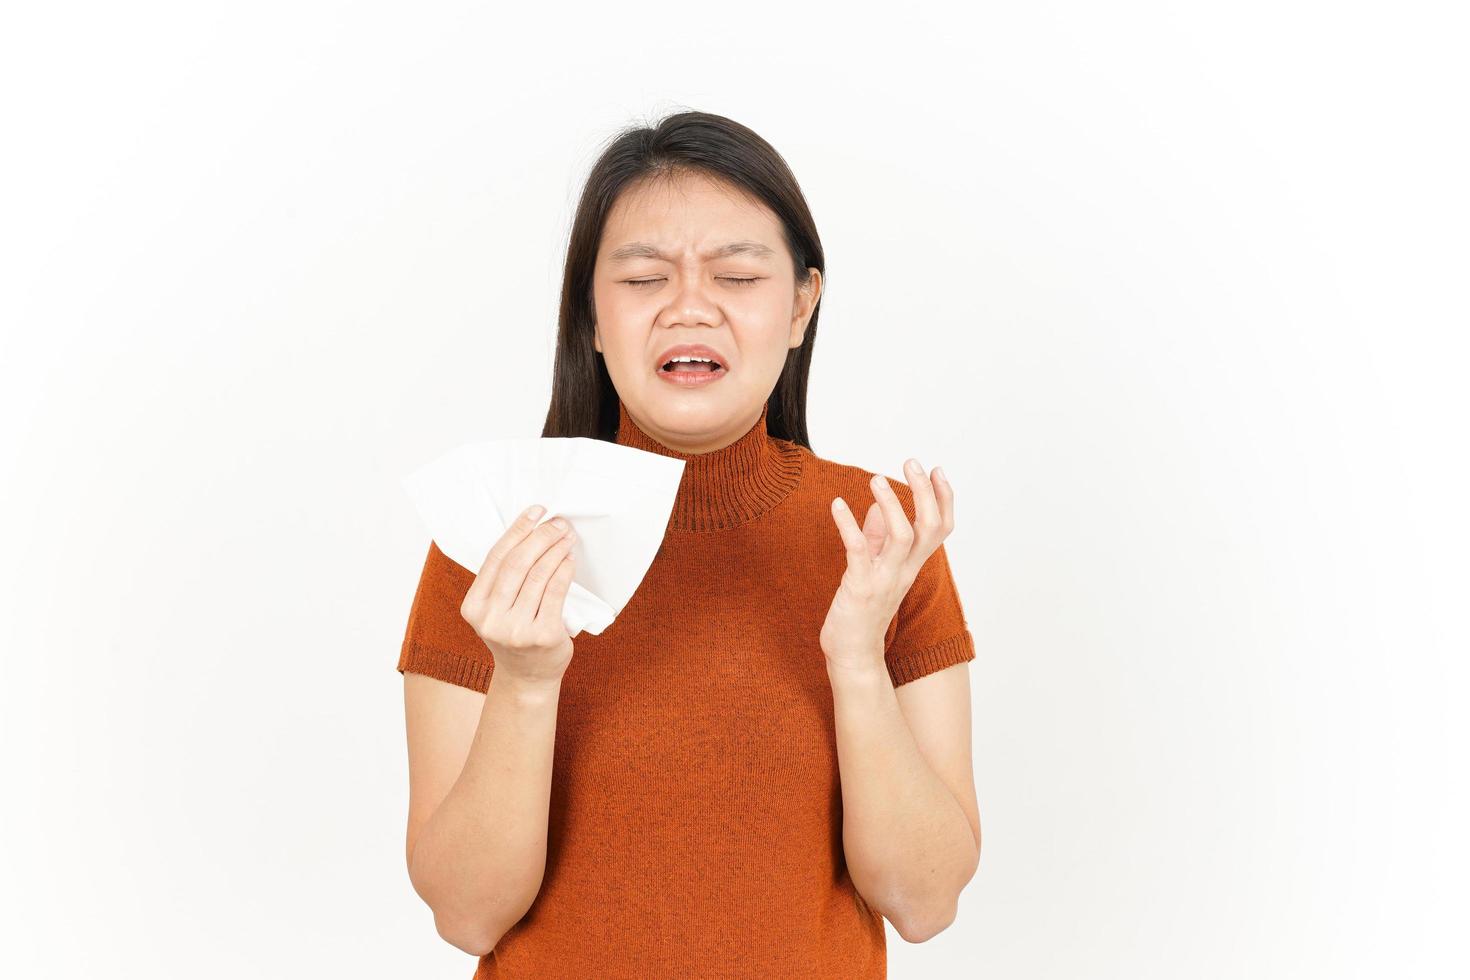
[[672, 216]]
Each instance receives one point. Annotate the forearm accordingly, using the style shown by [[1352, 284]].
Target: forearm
[[479, 860], [910, 848]]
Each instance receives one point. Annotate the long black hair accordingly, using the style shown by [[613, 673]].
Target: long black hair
[[583, 399]]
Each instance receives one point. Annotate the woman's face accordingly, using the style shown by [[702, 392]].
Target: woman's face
[[664, 276]]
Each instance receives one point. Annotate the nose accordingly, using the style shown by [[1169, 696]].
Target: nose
[[690, 304]]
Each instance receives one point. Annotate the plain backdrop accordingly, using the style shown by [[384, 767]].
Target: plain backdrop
[[1174, 292]]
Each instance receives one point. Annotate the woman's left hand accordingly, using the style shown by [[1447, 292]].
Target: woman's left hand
[[883, 559]]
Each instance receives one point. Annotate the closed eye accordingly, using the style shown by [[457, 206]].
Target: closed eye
[[734, 279]]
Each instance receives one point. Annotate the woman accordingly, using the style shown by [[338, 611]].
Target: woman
[[769, 748]]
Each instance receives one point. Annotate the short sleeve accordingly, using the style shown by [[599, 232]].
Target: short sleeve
[[929, 631], [438, 641]]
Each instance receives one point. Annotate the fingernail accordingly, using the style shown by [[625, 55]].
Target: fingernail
[[940, 473], [535, 512], [559, 522]]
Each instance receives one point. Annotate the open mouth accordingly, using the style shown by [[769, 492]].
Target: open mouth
[[698, 366]]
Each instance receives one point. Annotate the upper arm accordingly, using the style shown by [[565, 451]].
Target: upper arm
[[446, 671], [441, 719], [937, 709]]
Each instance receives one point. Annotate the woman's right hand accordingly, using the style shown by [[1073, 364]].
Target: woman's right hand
[[515, 603]]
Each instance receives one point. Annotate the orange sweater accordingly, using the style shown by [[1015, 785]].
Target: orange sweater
[[695, 822]]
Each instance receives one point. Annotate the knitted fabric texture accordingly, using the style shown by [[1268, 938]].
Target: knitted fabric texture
[[695, 824]]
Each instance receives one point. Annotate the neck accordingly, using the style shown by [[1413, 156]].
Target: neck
[[728, 486]]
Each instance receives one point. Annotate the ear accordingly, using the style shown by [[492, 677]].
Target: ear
[[806, 301], [596, 340]]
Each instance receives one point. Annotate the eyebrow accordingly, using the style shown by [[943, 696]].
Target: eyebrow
[[643, 250]]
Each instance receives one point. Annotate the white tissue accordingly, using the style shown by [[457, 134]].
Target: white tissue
[[618, 499]]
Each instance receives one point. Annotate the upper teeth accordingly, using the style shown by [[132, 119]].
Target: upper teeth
[[687, 358]]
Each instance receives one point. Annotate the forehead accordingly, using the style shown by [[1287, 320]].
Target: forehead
[[687, 213]]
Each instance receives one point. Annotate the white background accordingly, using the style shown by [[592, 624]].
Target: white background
[[1174, 292]]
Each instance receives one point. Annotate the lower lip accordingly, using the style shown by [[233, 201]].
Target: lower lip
[[691, 379]]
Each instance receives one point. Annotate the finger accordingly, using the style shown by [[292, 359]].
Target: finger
[[513, 536], [875, 529], [927, 517], [511, 575], [554, 599], [528, 600], [945, 494], [900, 531], [853, 540]]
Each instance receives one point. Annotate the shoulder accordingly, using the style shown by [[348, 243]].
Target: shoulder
[[853, 483]]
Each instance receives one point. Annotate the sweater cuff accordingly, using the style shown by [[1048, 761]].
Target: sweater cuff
[[456, 668], [906, 667]]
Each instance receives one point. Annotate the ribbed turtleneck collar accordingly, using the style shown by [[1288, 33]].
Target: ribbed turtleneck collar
[[727, 486]]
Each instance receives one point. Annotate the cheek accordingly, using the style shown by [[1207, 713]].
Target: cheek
[[763, 347], [622, 339], [774, 306], [614, 303]]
